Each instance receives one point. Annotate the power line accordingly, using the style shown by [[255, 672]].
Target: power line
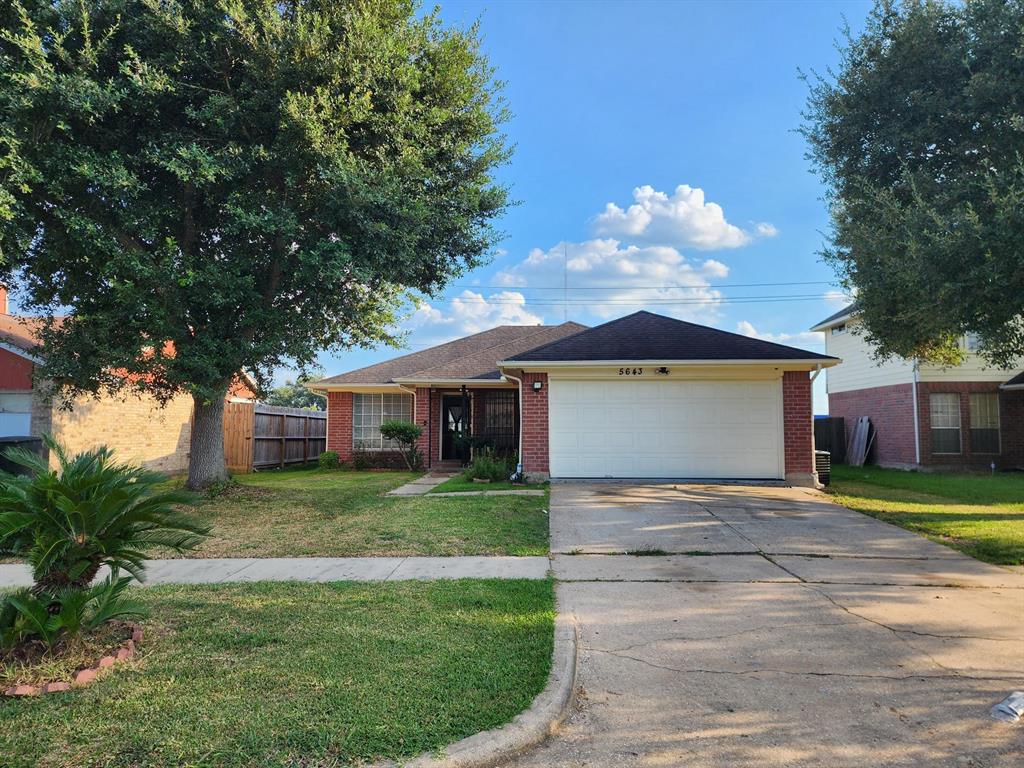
[[632, 301], [632, 287]]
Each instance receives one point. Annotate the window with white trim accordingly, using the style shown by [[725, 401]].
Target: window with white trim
[[984, 422], [945, 422], [371, 410], [837, 330], [972, 342]]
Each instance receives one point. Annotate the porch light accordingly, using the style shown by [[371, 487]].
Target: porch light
[[538, 386]]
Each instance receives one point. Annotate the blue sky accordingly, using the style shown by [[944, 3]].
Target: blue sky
[[656, 148]]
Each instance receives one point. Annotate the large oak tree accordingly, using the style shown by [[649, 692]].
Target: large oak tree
[[207, 186], [919, 137]]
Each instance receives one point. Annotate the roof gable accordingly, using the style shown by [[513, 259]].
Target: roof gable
[[647, 336], [836, 319]]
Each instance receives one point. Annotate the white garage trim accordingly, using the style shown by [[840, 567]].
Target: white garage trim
[[649, 428]]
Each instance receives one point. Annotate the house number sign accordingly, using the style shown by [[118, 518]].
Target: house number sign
[[631, 371]]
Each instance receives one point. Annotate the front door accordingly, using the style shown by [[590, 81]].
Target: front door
[[454, 419]]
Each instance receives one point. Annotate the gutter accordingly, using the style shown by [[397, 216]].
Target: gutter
[[775, 362]]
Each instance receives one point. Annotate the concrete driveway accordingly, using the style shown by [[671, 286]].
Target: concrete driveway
[[783, 631]]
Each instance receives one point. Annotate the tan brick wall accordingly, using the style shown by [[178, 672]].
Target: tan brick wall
[[137, 429]]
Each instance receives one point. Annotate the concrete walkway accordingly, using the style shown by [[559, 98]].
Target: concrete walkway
[[320, 569], [421, 485], [782, 631]]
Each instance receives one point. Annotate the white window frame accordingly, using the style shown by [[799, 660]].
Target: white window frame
[[997, 428], [972, 342], [383, 406], [933, 399], [838, 330]]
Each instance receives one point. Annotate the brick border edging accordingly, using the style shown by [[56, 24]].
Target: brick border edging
[[82, 676], [527, 729]]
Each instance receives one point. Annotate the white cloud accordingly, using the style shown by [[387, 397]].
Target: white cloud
[[608, 279], [837, 298], [469, 313], [682, 219], [801, 339]]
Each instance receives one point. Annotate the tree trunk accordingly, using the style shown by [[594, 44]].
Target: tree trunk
[[206, 465]]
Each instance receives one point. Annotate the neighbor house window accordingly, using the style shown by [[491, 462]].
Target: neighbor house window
[[370, 411], [838, 329], [972, 342], [985, 422], [945, 419]]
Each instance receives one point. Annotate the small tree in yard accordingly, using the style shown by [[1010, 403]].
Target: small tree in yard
[[919, 138], [405, 433], [217, 185]]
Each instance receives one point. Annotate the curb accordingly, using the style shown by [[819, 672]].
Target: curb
[[527, 729]]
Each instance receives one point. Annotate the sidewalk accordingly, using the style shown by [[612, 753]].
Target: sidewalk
[[319, 569]]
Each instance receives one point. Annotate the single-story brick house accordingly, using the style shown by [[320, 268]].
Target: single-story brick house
[[643, 396], [138, 428], [926, 416]]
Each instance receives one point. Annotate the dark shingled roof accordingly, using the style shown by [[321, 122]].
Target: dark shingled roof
[[851, 309], [472, 357], [646, 336], [1016, 381]]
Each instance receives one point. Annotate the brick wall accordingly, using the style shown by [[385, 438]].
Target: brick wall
[[798, 423], [422, 416], [1010, 427], [339, 424], [535, 425], [891, 410], [138, 429], [1011, 418]]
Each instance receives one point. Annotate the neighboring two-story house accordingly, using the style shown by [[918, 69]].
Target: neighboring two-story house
[[970, 415]]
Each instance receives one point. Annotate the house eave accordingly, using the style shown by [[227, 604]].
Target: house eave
[[345, 387], [795, 364], [832, 323]]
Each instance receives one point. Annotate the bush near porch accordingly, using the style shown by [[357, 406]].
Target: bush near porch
[[981, 515], [288, 674], [331, 513]]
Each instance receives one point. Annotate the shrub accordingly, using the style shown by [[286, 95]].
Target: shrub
[[65, 614], [405, 433], [330, 460], [489, 466], [69, 522], [89, 512]]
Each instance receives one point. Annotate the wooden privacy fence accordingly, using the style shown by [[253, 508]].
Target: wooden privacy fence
[[264, 436]]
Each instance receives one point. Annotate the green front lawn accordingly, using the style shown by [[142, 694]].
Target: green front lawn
[[287, 674], [979, 514], [313, 512], [461, 484]]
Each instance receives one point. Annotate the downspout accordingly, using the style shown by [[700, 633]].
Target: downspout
[[519, 389], [414, 415], [917, 416]]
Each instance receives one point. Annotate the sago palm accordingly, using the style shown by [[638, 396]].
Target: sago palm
[[89, 512]]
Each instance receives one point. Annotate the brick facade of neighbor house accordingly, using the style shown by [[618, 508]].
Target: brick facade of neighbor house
[[798, 427], [339, 424], [1009, 456], [891, 410], [1011, 424], [535, 426], [421, 415], [138, 429]]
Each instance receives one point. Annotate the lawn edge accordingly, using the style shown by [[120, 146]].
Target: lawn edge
[[527, 729]]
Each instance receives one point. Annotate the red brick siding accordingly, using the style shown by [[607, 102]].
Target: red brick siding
[[339, 424], [535, 424], [798, 422], [1011, 422], [1010, 426], [15, 372], [891, 410], [422, 417]]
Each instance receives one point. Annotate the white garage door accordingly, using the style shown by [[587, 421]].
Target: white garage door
[[669, 429]]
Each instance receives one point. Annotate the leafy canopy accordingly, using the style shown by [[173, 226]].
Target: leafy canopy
[[251, 180], [294, 393], [919, 137]]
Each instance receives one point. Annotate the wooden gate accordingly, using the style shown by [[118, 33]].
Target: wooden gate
[[264, 436]]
